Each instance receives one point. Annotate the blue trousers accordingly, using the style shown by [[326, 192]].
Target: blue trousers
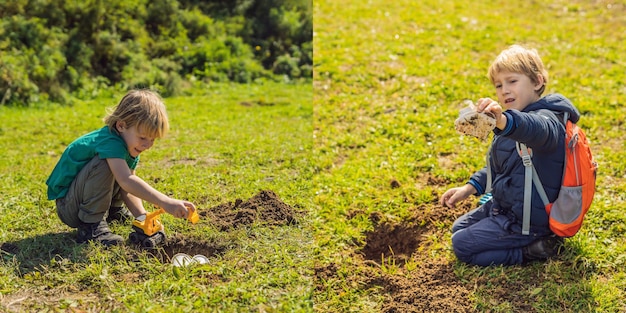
[[482, 237]]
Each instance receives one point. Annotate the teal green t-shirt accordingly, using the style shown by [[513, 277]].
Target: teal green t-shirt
[[102, 143]]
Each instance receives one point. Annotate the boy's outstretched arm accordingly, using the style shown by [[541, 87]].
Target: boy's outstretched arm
[[136, 186]]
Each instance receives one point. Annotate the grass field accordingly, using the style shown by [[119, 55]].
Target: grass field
[[389, 81], [227, 143], [361, 156]]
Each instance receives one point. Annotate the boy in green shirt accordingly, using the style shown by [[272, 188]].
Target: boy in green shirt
[[96, 173]]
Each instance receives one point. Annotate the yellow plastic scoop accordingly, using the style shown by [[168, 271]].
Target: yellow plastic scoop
[[193, 216]]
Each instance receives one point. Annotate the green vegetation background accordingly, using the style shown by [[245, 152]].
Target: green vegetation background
[[59, 50], [389, 78]]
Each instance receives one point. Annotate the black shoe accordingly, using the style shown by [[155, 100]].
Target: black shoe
[[542, 249], [97, 232], [119, 214]]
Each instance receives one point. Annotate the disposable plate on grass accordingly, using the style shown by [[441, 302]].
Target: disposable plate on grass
[[200, 259], [183, 259]]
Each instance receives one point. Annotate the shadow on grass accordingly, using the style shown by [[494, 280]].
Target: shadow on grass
[[32, 252]]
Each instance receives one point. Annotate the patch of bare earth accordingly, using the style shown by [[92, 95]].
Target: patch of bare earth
[[179, 243], [264, 208], [398, 262], [431, 284]]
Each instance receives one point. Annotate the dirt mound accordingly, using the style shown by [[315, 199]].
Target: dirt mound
[[264, 208], [399, 240]]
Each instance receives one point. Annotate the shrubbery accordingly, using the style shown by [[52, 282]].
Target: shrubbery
[[52, 49]]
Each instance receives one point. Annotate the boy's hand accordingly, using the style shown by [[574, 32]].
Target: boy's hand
[[179, 208], [487, 105], [473, 123], [451, 197]]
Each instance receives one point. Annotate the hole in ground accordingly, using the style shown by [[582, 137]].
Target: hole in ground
[[397, 241], [177, 243]]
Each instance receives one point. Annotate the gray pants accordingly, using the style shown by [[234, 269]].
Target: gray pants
[[91, 194]]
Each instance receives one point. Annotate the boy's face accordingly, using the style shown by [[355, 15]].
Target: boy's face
[[136, 141], [515, 90]]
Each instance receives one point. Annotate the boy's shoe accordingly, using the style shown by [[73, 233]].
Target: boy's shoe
[[97, 232], [119, 214], [542, 249]]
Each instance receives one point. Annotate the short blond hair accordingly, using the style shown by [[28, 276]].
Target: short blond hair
[[143, 108], [518, 59]]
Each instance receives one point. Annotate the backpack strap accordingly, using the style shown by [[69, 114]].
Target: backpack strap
[[488, 186], [565, 118], [528, 184], [530, 177]]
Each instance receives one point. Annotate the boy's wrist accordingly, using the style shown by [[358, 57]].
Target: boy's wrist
[[501, 122], [141, 217]]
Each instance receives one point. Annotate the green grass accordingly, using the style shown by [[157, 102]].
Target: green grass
[[374, 137], [388, 82], [227, 143]]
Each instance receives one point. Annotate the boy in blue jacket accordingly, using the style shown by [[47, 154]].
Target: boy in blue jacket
[[96, 175], [492, 233]]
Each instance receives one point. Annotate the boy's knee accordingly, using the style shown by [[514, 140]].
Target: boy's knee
[[460, 246], [456, 226], [66, 213]]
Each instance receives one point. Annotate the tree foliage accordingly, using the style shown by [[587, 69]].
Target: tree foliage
[[51, 49]]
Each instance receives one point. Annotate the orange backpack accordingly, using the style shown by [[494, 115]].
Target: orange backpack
[[578, 186]]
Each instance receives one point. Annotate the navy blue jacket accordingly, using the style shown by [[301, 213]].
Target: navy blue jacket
[[540, 127]]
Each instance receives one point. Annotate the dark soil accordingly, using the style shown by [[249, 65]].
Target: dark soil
[[431, 285], [178, 243], [9, 248], [391, 240], [265, 208]]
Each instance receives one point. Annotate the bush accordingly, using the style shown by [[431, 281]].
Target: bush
[[33, 64], [227, 59], [52, 47]]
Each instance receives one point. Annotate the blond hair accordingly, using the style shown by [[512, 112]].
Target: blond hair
[[517, 59], [143, 108]]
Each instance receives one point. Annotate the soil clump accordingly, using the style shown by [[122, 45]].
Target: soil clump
[[264, 208]]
